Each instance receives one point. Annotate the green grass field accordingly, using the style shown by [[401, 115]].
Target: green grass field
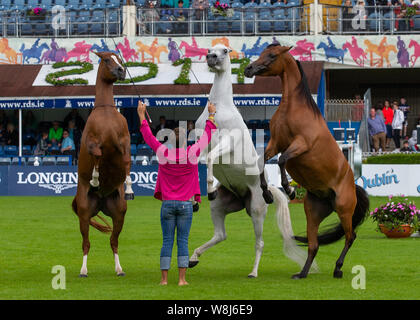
[[40, 232]]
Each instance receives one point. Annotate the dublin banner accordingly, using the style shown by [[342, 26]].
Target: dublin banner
[[62, 180], [395, 179], [373, 51]]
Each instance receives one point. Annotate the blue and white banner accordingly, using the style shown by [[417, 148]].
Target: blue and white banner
[[130, 102], [390, 179], [62, 180]]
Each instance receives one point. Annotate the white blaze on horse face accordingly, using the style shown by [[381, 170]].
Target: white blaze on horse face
[[116, 61]]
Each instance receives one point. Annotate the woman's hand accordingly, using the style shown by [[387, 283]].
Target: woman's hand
[[211, 108], [141, 110]]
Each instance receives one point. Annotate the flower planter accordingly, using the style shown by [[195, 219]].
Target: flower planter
[[402, 231]]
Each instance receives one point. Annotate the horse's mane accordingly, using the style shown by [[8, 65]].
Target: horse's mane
[[303, 89]]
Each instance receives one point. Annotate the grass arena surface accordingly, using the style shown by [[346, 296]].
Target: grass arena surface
[[40, 232]]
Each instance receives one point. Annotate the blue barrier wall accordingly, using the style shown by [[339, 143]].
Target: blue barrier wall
[[62, 180]]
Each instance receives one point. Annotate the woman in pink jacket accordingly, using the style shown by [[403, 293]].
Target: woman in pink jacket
[[177, 187]]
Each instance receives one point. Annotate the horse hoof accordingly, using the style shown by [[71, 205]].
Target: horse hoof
[[122, 274], [268, 196], [212, 195], [338, 274], [292, 195], [251, 276], [298, 276], [192, 264], [129, 196], [82, 275]]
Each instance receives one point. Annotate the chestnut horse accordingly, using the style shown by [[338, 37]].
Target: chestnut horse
[[311, 156], [104, 162]]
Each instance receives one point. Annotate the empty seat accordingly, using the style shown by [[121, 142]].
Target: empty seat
[[1, 150], [144, 150], [63, 161], [26, 150], [154, 160], [5, 161], [49, 161], [10, 150]]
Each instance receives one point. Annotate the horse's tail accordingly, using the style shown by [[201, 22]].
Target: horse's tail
[[102, 228], [290, 247], [106, 228], [336, 232]]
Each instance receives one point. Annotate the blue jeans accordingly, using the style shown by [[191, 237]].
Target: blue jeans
[[175, 214]]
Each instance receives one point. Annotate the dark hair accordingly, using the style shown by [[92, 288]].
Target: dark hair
[[179, 132], [306, 92], [65, 130], [180, 1]]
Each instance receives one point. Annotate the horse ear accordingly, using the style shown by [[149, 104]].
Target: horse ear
[[98, 54], [290, 48]]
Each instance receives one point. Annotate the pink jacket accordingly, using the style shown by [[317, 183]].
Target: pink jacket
[[178, 168]]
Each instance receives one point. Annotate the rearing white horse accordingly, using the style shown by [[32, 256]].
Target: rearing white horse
[[232, 159]]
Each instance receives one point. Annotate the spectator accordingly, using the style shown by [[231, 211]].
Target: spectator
[[200, 7], [2, 135], [190, 130], [42, 145], [397, 124], [181, 15], [151, 13], [406, 147], [11, 135], [413, 140], [67, 146], [404, 107], [348, 15], [379, 113], [377, 129], [29, 123], [74, 133], [76, 118], [388, 117], [3, 118], [161, 125], [55, 134], [360, 10]]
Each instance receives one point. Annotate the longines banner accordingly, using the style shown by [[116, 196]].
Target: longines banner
[[374, 51], [385, 180], [62, 180]]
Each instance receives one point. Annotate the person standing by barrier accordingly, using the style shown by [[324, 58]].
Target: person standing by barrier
[[177, 186], [397, 125], [377, 130], [388, 114]]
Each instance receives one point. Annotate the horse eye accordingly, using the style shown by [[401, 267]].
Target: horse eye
[[272, 55], [208, 51], [225, 51]]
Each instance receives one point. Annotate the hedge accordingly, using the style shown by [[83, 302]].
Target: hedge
[[395, 158]]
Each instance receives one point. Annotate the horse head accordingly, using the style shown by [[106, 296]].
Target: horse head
[[110, 68], [412, 43], [322, 45], [271, 62], [218, 58]]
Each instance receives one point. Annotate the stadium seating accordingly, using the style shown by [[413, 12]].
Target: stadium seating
[[10, 150], [49, 161], [63, 160], [5, 161], [142, 160], [154, 160]]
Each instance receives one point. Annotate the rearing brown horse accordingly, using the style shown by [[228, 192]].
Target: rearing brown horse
[[311, 156], [104, 162]]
